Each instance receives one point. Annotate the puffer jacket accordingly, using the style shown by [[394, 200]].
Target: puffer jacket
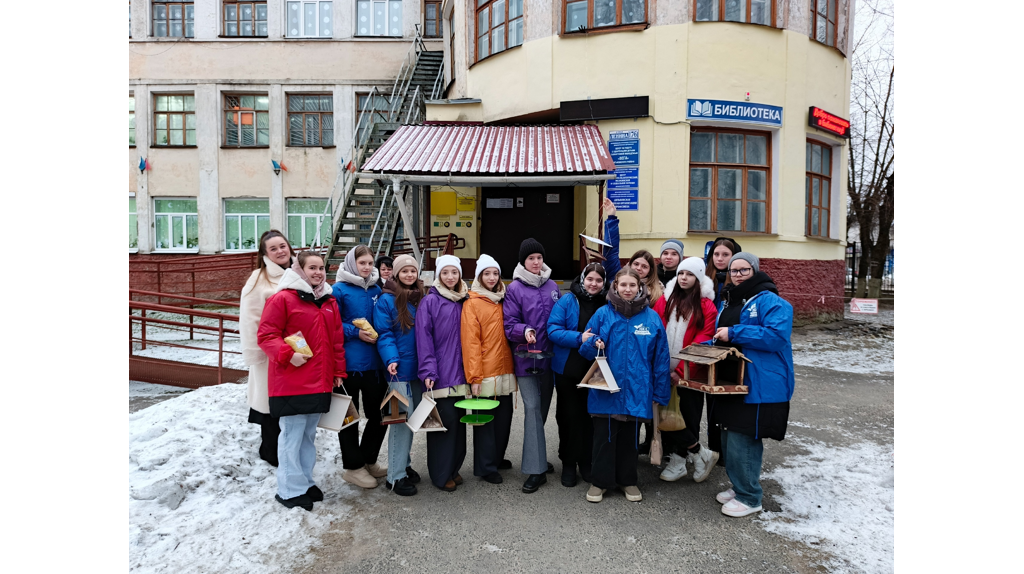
[[612, 264], [393, 344], [306, 389], [638, 356], [528, 305], [485, 351], [694, 333], [438, 339], [356, 302], [564, 323]]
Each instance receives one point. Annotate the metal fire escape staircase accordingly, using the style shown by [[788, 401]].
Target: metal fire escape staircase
[[364, 212]]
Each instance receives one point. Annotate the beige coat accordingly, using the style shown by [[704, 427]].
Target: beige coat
[[254, 296]]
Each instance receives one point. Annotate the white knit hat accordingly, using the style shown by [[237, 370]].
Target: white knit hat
[[486, 262], [696, 266], [446, 260]]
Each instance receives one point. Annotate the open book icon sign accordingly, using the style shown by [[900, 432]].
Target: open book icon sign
[[697, 108]]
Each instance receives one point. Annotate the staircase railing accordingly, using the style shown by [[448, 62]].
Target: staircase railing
[[414, 114], [438, 88]]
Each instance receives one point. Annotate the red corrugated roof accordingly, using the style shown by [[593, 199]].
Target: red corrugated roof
[[461, 149]]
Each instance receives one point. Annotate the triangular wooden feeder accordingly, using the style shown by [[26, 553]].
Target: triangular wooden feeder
[[395, 414], [425, 418], [342, 410], [711, 356], [599, 377]]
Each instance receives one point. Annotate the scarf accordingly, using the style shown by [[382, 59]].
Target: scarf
[[415, 293], [450, 295], [532, 279], [318, 292], [479, 288], [349, 273], [629, 308]]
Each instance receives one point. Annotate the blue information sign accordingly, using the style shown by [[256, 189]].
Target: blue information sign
[[624, 147], [746, 112], [625, 152], [625, 177], [625, 199]]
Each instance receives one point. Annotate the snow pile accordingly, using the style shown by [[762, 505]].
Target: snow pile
[[847, 355], [201, 500], [841, 500], [140, 390]]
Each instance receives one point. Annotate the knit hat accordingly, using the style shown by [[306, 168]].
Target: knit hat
[[486, 262], [694, 265], [674, 244], [749, 258], [404, 261], [528, 247], [446, 260]]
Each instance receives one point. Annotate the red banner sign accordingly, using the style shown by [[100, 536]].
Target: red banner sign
[[833, 124]]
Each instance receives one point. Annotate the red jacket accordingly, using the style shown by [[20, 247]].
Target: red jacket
[[306, 389], [694, 333]]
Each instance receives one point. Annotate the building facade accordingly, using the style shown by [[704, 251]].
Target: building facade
[[241, 112], [725, 118]]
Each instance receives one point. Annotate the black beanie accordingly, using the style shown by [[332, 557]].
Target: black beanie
[[528, 247]]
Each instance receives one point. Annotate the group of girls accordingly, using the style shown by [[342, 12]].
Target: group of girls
[[455, 341]]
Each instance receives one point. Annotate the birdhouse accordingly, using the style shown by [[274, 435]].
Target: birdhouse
[[714, 359], [395, 414], [425, 418], [599, 377], [343, 414]]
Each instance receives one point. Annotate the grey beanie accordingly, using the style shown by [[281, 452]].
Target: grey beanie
[[749, 258], [673, 244]]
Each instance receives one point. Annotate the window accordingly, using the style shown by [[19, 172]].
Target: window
[[383, 18], [310, 120], [173, 19], [363, 105], [310, 19], [585, 14], [245, 220], [177, 224], [133, 225], [499, 25], [823, 21], [307, 223], [246, 120], [174, 122], [243, 18], [818, 188], [730, 175], [748, 11], [432, 23], [131, 120]]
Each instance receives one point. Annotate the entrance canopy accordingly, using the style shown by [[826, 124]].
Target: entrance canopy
[[492, 156]]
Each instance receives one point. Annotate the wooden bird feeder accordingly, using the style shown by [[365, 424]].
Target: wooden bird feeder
[[599, 377], [710, 357], [343, 414], [425, 418], [395, 414]]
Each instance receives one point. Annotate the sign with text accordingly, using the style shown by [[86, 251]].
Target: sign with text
[[831, 123], [624, 190], [864, 306], [745, 112]]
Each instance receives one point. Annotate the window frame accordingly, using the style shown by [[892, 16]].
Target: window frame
[[133, 221], [439, 19], [834, 22], [167, 20], [131, 120], [618, 26], [745, 167], [824, 208], [320, 221], [238, 222], [184, 121], [772, 16], [303, 112], [488, 5], [302, 22], [357, 129], [238, 18], [256, 129], [170, 214], [387, 16]]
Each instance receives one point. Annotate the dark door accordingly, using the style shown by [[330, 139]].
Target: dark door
[[511, 214]]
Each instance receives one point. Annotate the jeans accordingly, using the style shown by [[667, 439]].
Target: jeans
[[615, 452], [400, 437], [296, 455], [536, 391], [743, 465], [356, 453]]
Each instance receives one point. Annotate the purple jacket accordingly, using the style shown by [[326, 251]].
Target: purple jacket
[[529, 307], [439, 341]]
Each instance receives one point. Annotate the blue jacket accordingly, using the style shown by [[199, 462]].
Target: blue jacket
[[612, 265], [356, 303], [764, 331], [562, 325], [638, 356], [394, 345]]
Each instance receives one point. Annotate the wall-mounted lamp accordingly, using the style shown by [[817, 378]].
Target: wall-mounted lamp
[[278, 167], [143, 165]]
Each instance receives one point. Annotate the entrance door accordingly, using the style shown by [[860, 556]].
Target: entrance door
[[511, 214]]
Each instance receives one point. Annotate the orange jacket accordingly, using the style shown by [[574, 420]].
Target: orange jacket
[[485, 351]]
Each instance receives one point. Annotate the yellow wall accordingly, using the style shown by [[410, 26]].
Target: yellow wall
[[470, 234], [244, 172], [311, 171], [173, 172]]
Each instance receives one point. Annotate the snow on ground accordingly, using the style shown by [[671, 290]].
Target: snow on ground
[[180, 336], [139, 390], [863, 344], [841, 500], [201, 500]]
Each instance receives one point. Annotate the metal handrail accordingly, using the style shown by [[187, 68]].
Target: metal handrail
[[416, 96], [387, 225], [380, 212], [435, 92]]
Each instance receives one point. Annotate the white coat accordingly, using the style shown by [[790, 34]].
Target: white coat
[[255, 293]]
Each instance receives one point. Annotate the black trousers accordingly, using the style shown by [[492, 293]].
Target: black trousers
[[446, 451], [615, 453], [691, 406], [491, 440], [715, 431], [270, 427], [372, 386], [575, 429]]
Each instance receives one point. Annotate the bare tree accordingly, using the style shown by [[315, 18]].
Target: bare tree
[[871, 174]]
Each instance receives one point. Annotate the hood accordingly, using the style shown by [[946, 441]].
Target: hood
[[531, 279], [292, 280], [479, 291], [348, 273], [707, 288]]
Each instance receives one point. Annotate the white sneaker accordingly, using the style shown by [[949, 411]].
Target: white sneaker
[[675, 469], [736, 508], [703, 462], [723, 497]]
